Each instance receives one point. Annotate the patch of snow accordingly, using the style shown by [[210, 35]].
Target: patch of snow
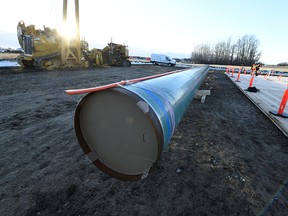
[[5, 63], [139, 62]]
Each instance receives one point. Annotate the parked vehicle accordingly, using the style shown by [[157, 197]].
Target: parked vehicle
[[162, 59]]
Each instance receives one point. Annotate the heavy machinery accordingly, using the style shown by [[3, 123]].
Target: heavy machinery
[[47, 49]]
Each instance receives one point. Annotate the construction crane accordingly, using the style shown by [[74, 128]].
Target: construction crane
[[47, 49]]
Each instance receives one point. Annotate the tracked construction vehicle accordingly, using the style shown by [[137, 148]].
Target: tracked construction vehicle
[[44, 50], [47, 50]]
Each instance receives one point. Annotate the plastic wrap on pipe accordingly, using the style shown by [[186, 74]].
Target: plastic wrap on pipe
[[124, 130]]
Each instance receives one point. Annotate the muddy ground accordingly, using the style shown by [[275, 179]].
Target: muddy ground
[[225, 158]]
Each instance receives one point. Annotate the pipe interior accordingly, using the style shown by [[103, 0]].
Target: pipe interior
[[120, 133]]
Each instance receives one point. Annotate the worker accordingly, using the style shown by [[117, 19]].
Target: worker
[[253, 69], [257, 69]]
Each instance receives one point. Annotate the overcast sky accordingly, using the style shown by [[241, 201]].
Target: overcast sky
[[165, 26]]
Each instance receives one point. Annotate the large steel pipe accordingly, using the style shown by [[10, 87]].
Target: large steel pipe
[[123, 130]]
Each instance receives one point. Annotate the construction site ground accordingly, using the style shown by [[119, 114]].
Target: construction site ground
[[225, 158]]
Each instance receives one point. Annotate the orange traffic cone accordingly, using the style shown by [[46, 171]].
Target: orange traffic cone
[[238, 76], [232, 72], [227, 70], [252, 88], [282, 106], [251, 81]]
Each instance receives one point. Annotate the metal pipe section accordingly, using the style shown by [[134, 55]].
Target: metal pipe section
[[123, 130]]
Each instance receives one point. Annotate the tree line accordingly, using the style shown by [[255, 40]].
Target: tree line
[[243, 52]]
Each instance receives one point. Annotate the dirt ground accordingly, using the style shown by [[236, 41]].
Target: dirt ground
[[225, 158]]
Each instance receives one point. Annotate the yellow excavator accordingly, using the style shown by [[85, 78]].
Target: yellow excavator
[[47, 50]]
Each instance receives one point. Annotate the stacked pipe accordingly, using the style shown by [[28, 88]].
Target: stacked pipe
[[123, 130]]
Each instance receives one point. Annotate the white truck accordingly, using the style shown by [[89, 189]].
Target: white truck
[[162, 59]]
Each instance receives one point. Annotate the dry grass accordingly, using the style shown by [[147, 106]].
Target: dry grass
[[268, 67], [276, 68], [8, 55]]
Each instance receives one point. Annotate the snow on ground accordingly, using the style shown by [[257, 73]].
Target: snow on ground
[[5, 63], [148, 63], [139, 63]]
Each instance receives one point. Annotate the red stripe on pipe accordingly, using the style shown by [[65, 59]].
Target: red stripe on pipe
[[112, 85]]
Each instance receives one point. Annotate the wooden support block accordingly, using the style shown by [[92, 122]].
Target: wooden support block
[[201, 95], [203, 98]]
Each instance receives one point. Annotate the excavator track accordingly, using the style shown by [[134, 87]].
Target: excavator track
[[25, 63], [125, 63], [50, 62], [54, 62]]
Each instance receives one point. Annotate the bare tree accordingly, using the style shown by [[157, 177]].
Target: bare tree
[[244, 51], [202, 54]]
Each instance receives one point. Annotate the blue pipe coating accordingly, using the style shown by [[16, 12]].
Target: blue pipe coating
[[170, 96]]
